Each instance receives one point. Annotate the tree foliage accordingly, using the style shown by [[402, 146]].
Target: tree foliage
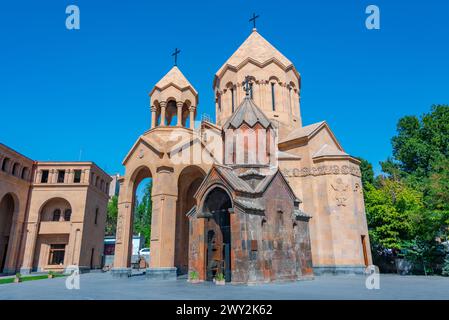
[[111, 218], [407, 205], [142, 214]]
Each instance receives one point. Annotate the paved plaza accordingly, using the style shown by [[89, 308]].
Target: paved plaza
[[101, 286]]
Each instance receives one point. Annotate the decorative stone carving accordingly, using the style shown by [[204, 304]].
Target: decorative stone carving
[[322, 170], [340, 189]]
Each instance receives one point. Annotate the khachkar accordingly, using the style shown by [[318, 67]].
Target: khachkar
[[320, 173]]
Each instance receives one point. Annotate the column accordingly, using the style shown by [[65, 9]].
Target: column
[[153, 117], [179, 105], [192, 117], [163, 106], [163, 233], [86, 176], [123, 243], [31, 235], [38, 177], [67, 176]]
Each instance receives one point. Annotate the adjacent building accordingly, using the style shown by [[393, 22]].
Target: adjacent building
[[52, 214]]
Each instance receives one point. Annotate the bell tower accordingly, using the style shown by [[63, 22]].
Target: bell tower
[[275, 84], [173, 98]]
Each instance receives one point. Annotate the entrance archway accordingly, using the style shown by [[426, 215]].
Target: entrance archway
[[7, 207], [188, 183], [141, 215], [218, 234]]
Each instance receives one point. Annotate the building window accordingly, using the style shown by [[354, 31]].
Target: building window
[[67, 215], [57, 252], [96, 216], [232, 99], [24, 173], [77, 177], [44, 178], [56, 215], [273, 101], [219, 102], [15, 168], [5, 164], [61, 176], [251, 90]]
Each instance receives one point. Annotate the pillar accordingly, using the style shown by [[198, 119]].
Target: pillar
[[28, 256], [153, 117], [163, 106], [123, 241], [179, 105], [163, 233], [192, 117]]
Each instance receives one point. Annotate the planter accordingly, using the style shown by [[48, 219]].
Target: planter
[[17, 280], [51, 276], [194, 281], [220, 282]]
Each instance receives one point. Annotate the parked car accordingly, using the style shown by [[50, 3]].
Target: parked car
[[144, 252]]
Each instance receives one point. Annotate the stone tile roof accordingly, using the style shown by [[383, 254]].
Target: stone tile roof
[[231, 177], [249, 203], [175, 77], [327, 150], [303, 131], [247, 112], [257, 48]]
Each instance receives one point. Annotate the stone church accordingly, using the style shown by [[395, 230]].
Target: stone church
[[257, 196]]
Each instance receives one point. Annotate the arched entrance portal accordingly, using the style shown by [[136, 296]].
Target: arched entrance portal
[[141, 216], [218, 234], [7, 208], [188, 183]]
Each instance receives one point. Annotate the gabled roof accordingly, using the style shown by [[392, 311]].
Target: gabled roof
[[257, 49], [327, 150], [247, 112], [308, 132], [303, 131], [176, 78]]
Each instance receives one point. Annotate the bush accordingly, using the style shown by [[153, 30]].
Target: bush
[[219, 277], [193, 275], [445, 271]]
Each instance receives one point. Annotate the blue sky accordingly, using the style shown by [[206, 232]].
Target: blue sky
[[62, 91]]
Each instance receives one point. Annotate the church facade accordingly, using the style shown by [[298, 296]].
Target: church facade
[[257, 195]]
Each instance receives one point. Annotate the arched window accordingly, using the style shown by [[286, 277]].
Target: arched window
[[56, 215], [67, 214], [273, 100], [24, 174], [15, 168], [5, 164]]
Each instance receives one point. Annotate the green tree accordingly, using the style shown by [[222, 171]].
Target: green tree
[[389, 209], [422, 143], [142, 214], [367, 171], [111, 218]]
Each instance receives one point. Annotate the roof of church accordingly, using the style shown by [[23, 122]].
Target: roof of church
[[327, 150], [247, 112], [257, 48], [303, 131], [175, 77]]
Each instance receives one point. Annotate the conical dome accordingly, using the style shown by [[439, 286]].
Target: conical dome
[[275, 84], [258, 49], [176, 78]]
